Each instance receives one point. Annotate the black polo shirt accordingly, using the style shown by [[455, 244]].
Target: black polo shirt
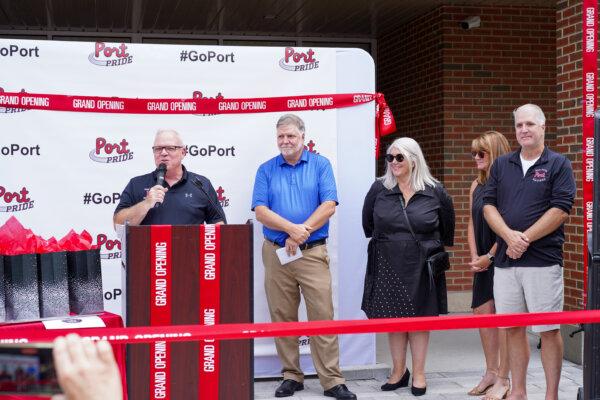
[[185, 203], [522, 200]]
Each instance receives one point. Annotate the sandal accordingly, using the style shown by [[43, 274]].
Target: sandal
[[476, 391], [506, 391]]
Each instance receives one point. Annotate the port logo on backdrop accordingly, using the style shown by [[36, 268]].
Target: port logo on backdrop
[[105, 55], [108, 152], [109, 248], [223, 200], [12, 200], [295, 60]]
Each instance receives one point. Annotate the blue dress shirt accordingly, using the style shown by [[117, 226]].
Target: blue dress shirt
[[294, 192]]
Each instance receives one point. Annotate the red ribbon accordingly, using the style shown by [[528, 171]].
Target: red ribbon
[[384, 121], [160, 308], [122, 105], [210, 308], [589, 104], [187, 333]]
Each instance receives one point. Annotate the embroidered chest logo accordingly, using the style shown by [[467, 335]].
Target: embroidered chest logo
[[539, 175], [188, 195]]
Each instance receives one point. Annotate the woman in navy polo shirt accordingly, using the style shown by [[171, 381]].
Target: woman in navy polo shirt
[[482, 245]]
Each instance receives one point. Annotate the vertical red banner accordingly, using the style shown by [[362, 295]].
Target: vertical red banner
[[210, 301], [160, 308], [589, 104]]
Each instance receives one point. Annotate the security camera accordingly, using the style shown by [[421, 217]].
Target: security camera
[[470, 22]]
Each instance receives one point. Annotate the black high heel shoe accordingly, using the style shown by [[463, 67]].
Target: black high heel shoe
[[418, 391], [403, 382]]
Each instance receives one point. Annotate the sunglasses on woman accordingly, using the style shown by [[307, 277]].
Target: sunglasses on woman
[[480, 153], [390, 157]]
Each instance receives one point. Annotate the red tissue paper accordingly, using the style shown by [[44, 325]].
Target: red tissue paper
[[73, 241], [16, 240]]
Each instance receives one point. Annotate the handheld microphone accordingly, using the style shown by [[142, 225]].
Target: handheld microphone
[[160, 177], [219, 210]]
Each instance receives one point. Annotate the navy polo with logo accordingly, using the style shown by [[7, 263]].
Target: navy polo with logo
[[522, 200], [185, 203]]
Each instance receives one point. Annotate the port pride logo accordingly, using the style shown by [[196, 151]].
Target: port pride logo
[[298, 61], [107, 152], [13, 201], [109, 248], [110, 56], [223, 200], [311, 147], [13, 100]]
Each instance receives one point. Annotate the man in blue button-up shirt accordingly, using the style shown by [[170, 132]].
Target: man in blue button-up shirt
[[527, 198], [294, 197]]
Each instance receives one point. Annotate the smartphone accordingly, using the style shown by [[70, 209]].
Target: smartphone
[[28, 368]]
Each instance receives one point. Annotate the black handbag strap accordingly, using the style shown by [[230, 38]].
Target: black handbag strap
[[424, 257], [407, 220]]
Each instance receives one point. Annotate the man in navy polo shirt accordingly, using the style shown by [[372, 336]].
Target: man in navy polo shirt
[[527, 199], [294, 197], [185, 198]]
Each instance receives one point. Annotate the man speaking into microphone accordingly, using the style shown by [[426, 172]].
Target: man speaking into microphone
[[171, 195]]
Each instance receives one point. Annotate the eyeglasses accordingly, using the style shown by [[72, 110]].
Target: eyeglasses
[[169, 149], [480, 153], [390, 157]]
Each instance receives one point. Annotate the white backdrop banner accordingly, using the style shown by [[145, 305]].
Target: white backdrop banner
[[69, 168]]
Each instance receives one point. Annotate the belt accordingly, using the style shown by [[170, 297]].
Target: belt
[[304, 246]]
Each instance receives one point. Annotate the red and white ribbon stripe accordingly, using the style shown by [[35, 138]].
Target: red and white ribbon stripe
[[160, 308], [589, 104], [210, 308], [187, 333], [384, 118]]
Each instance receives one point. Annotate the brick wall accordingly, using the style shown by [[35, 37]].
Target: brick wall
[[487, 72], [568, 110], [475, 79], [409, 73]]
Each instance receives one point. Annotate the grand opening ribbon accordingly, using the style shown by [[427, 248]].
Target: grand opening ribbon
[[210, 309], [160, 309], [589, 104], [186, 333], [384, 119]]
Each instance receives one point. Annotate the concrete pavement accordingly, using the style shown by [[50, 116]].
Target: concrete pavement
[[455, 364]]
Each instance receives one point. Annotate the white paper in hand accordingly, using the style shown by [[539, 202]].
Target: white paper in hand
[[284, 258]]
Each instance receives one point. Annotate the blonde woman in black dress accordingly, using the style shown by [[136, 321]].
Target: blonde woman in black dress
[[482, 245], [398, 283]]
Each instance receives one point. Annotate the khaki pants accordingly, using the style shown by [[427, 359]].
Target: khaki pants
[[309, 274]]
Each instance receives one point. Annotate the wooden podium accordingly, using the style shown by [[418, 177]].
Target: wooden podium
[[233, 378]]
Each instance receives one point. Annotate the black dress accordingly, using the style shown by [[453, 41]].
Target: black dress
[[397, 283], [483, 282]]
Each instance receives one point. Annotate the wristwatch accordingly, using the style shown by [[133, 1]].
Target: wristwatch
[[490, 257]]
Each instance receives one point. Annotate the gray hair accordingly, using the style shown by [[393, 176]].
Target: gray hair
[[538, 114], [291, 119], [419, 171], [172, 131]]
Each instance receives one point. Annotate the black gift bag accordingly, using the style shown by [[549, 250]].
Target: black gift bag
[[85, 282], [53, 284], [21, 287], [2, 304]]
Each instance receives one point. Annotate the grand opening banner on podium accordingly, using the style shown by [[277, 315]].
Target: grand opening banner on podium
[[64, 170]]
